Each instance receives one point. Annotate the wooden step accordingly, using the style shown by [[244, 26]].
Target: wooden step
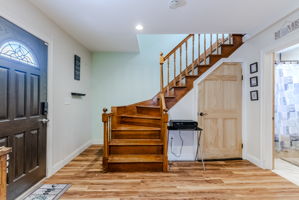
[[215, 58], [169, 97], [135, 132], [150, 107], [141, 120], [125, 127], [203, 68], [227, 49], [135, 142], [148, 110], [191, 77], [140, 116], [135, 163], [178, 87], [136, 146], [127, 158], [135, 167]]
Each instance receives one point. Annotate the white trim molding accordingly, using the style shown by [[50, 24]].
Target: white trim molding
[[253, 159], [70, 157]]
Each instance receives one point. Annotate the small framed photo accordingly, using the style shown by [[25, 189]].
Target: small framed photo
[[253, 68], [77, 61], [254, 95], [254, 81]]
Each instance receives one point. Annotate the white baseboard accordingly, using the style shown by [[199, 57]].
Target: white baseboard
[[254, 160], [70, 157]]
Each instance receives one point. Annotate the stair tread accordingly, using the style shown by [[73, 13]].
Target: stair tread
[[169, 97], [156, 107], [127, 158], [136, 142], [228, 45], [124, 127], [141, 116], [192, 75], [179, 86]]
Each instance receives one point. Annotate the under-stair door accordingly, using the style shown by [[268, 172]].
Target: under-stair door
[[220, 111]]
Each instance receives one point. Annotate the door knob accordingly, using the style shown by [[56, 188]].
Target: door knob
[[203, 114], [44, 121]]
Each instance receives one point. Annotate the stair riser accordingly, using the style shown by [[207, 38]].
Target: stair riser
[[135, 134], [140, 121], [179, 91], [136, 149], [226, 51], [214, 59], [149, 111], [237, 40], [135, 167]]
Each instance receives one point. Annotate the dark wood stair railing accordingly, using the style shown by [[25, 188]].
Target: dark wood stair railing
[[136, 136]]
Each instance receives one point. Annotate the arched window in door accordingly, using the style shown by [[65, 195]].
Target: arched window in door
[[19, 52]]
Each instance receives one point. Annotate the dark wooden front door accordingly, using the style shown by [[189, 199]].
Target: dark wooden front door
[[23, 88]]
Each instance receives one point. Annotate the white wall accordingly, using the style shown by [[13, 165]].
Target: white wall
[[120, 79], [257, 115], [69, 130], [292, 54]]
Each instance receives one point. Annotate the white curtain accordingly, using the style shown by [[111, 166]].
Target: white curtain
[[287, 106]]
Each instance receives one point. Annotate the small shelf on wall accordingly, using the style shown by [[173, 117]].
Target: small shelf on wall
[[76, 94]]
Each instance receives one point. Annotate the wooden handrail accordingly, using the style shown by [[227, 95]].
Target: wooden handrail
[[178, 46], [163, 103], [202, 58]]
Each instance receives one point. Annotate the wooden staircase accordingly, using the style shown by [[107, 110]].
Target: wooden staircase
[[135, 136]]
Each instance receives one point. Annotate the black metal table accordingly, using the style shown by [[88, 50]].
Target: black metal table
[[198, 134]]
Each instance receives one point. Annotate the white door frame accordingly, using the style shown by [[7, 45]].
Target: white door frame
[[267, 84], [22, 24]]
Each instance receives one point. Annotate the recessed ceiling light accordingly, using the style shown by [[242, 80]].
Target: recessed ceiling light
[[139, 27]]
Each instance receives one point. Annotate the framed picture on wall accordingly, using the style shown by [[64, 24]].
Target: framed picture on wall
[[253, 68], [254, 95], [254, 81], [77, 61]]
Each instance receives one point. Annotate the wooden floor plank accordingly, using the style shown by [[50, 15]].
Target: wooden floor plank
[[223, 180]]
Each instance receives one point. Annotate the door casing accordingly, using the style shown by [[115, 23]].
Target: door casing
[[27, 26]]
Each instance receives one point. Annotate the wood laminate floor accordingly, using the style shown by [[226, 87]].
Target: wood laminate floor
[[223, 180]]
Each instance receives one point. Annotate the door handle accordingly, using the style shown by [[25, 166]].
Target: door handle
[[203, 114], [44, 121]]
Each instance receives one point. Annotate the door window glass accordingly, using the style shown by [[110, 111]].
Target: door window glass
[[17, 51]]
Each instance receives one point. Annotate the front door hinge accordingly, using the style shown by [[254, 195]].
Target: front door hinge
[[242, 146], [242, 77]]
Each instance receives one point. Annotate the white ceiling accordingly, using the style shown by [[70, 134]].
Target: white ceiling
[[109, 25]]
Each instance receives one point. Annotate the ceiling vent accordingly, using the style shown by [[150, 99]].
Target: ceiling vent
[[173, 4]]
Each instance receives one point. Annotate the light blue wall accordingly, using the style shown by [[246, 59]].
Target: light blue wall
[[126, 78]]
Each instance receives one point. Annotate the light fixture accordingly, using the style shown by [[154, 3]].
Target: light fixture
[[173, 4], [139, 27]]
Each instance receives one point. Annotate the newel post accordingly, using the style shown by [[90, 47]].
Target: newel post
[[161, 71], [105, 134], [165, 139]]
